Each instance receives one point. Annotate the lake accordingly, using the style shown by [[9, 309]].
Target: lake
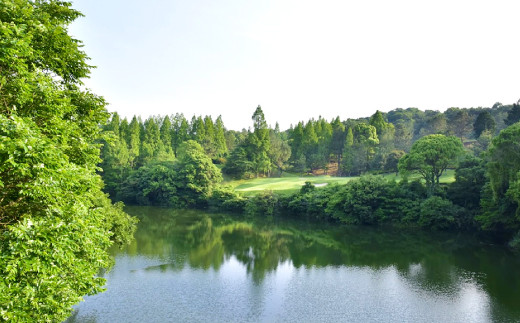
[[192, 266]]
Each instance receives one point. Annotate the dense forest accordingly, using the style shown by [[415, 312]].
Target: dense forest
[[171, 161]]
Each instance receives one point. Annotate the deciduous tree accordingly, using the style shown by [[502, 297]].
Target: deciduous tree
[[430, 156]]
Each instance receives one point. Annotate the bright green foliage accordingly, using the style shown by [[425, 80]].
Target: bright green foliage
[[484, 122], [209, 140], [385, 134], [55, 223], [263, 204], [166, 135], [501, 199], [251, 156], [430, 156], [180, 129], [115, 155], [363, 148], [359, 202], [260, 143], [378, 121], [134, 141], [373, 200], [152, 146], [152, 184], [197, 129], [196, 175], [224, 198], [221, 148]]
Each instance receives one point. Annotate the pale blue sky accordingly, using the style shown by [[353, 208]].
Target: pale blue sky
[[299, 59]]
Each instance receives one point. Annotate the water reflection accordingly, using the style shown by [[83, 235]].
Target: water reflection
[[299, 266]]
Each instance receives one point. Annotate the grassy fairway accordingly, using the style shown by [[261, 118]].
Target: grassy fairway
[[291, 183]]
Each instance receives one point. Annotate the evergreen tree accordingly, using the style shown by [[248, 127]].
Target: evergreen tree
[[152, 145], [209, 138], [296, 143], [124, 131], [460, 124], [134, 142], [348, 158], [166, 135], [180, 131], [365, 140], [484, 122], [310, 145], [198, 130], [513, 116], [338, 140], [260, 142], [220, 138]]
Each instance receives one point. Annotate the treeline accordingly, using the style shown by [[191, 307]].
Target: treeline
[[485, 193], [484, 196], [349, 147]]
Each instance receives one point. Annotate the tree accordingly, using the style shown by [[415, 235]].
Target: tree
[[180, 131], [385, 134], [209, 139], [338, 140], [197, 176], [115, 155], [260, 142], [430, 156], [403, 135], [435, 123], [348, 158], [513, 116], [151, 146], [295, 141], [166, 135], [280, 151], [484, 122], [56, 225], [470, 177], [221, 148], [197, 130], [310, 145], [460, 124], [501, 200], [365, 140]]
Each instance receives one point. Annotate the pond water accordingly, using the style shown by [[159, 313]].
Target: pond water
[[191, 266]]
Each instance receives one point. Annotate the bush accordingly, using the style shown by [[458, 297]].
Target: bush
[[224, 198], [437, 213], [263, 204]]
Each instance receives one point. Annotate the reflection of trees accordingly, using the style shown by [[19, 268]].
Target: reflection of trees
[[432, 261]]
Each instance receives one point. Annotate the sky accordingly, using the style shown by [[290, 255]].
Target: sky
[[299, 59]]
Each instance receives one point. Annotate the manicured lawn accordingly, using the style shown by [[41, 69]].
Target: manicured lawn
[[291, 183]]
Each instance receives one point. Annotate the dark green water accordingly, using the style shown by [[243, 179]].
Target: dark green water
[[189, 266]]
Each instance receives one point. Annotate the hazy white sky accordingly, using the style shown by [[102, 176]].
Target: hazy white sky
[[299, 59]]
